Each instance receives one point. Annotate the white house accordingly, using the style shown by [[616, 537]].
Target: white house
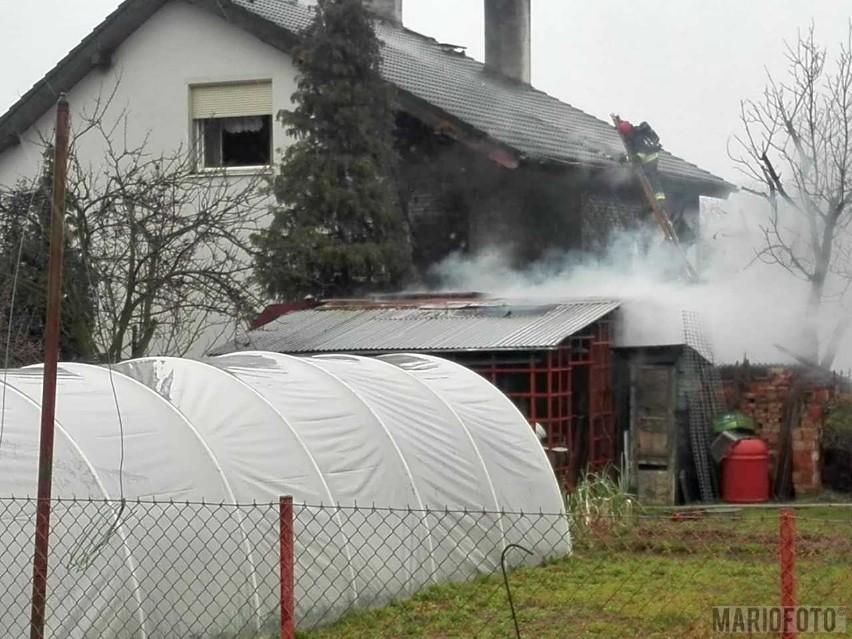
[[179, 70], [210, 75]]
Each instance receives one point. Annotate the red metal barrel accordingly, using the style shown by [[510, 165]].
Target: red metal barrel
[[745, 472]]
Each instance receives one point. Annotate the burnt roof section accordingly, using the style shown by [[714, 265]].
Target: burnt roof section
[[432, 79], [425, 325]]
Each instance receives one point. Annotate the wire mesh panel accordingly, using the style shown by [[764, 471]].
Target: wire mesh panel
[[705, 399], [559, 422]]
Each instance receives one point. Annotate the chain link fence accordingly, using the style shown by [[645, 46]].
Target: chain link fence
[[386, 554], [635, 573], [146, 570]]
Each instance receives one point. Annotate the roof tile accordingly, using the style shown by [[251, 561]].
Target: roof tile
[[535, 124]]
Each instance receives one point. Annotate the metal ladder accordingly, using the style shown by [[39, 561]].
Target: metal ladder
[[660, 215]]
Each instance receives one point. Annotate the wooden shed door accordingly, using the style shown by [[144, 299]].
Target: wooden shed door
[[653, 432]]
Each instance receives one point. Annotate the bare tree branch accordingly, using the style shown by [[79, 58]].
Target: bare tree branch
[[796, 149], [166, 249]]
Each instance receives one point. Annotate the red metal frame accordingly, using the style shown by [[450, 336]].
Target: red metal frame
[[287, 576], [543, 386], [540, 385], [602, 436], [787, 556]]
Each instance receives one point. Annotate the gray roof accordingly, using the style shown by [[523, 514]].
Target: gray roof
[[513, 116], [471, 326], [536, 125]]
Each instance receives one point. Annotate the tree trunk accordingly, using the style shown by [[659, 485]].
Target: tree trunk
[[833, 343], [810, 332]]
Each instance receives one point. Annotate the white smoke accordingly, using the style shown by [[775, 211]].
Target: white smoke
[[746, 306]]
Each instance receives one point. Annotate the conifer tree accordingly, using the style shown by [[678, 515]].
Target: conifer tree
[[337, 229], [25, 214]]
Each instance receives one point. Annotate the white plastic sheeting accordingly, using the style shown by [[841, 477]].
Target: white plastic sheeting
[[399, 431]]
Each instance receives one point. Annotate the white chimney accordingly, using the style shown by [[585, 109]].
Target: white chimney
[[508, 38], [390, 10]]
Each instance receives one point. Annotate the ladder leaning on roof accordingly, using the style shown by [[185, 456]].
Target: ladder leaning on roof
[[660, 215]]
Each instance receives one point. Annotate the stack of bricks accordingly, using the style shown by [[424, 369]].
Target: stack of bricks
[[763, 400]]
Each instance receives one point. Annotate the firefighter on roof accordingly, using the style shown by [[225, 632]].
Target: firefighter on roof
[[644, 143]]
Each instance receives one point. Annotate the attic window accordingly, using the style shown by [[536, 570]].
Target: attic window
[[232, 125]]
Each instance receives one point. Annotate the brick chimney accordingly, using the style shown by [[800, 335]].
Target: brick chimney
[[508, 38], [390, 10]]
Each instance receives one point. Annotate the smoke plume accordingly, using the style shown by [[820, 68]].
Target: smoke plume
[[745, 305]]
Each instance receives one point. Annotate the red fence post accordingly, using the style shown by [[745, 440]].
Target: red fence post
[[287, 556], [788, 572]]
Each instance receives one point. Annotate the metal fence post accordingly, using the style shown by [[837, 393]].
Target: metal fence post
[[788, 572], [287, 556]]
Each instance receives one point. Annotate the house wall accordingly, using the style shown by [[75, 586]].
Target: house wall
[[606, 211], [460, 201], [149, 83], [151, 73], [612, 205]]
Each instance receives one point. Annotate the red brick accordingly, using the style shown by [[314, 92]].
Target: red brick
[[810, 434], [803, 460], [821, 394]]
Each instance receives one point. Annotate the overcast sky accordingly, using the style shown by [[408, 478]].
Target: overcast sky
[[683, 65]]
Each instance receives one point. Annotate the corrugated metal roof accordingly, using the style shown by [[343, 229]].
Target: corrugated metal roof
[[471, 327], [528, 120]]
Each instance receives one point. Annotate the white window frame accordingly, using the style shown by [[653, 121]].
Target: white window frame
[[229, 108]]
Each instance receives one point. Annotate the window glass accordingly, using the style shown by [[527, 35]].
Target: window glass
[[232, 124], [234, 142]]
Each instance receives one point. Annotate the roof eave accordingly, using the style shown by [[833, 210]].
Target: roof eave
[[712, 186], [718, 189], [460, 131], [373, 352]]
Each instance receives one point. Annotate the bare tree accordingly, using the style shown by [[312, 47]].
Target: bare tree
[[797, 145], [165, 248]]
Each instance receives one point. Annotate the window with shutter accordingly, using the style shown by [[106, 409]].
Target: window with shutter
[[232, 124]]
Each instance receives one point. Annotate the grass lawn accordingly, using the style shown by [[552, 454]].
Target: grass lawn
[[654, 577]]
